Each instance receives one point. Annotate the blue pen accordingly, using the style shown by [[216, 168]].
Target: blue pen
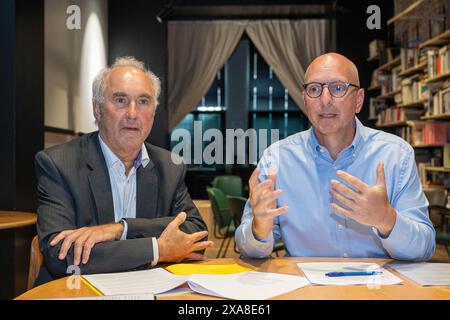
[[356, 273]]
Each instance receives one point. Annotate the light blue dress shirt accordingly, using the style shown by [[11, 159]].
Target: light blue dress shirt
[[311, 228], [123, 188]]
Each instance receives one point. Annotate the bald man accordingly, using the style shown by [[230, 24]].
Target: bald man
[[339, 189]]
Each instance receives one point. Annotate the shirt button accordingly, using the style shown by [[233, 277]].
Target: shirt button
[[345, 255], [340, 226]]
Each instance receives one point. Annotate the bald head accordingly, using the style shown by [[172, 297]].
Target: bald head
[[334, 66]]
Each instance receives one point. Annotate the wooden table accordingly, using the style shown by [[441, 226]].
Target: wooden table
[[407, 290], [16, 231], [16, 219]]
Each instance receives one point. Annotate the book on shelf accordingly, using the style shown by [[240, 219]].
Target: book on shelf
[[438, 61], [396, 114], [446, 155], [409, 56], [439, 103], [414, 89], [375, 48], [435, 133]]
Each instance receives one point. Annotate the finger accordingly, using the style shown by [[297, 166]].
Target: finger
[[274, 212], [253, 181], [78, 247], [342, 211], [59, 237], [178, 221], [88, 245], [345, 201], [68, 241], [272, 175], [269, 197], [381, 179], [262, 187], [345, 190], [196, 256], [353, 181], [202, 245], [197, 236]]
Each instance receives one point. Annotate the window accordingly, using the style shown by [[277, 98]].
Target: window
[[270, 103]]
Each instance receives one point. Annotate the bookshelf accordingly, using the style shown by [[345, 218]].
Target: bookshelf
[[411, 90]]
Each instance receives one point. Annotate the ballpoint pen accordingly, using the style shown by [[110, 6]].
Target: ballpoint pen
[[355, 273]]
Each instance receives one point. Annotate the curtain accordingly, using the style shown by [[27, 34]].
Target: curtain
[[289, 47], [197, 51]]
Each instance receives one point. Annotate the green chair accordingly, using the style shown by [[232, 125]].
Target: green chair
[[237, 205], [230, 185], [443, 238], [223, 221]]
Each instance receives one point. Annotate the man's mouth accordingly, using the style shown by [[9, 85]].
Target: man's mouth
[[131, 128], [328, 115]]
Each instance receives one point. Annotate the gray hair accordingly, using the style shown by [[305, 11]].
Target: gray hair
[[99, 84]]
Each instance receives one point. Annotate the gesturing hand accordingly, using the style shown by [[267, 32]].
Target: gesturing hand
[[84, 239], [263, 203], [367, 205], [174, 245]]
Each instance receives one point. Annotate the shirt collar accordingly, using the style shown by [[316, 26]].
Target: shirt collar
[[111, 159], [358, 139]]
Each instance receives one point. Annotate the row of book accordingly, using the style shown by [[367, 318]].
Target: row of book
[[438, 60], [395, 114], [424, 133], [414, 89], [439, 103]]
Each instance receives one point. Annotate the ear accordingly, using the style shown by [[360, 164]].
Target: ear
[[97, 112], [359, 100]]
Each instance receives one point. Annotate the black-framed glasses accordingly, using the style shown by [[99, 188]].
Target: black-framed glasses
[[337, 89]]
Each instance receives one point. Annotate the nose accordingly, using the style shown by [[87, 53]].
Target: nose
[[326, 97], [132, 110]]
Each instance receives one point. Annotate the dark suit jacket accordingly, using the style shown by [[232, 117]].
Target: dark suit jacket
[[74, 191]]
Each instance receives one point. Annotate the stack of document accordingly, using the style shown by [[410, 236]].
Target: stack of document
[[241, 286], [425, 273], [347, 273]]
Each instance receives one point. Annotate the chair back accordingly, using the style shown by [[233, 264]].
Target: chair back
[[230, 185], [220, 207], [35, 262], [237, 205]]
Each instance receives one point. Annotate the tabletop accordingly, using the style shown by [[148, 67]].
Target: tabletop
[[16, 219], [407, 290]]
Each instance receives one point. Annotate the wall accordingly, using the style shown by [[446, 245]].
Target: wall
[[72, 59], [137, 33]]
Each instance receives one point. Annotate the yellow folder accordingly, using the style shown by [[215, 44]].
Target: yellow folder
[[185, 269]]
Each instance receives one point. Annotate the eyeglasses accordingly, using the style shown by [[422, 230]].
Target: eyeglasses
[[337, 89]]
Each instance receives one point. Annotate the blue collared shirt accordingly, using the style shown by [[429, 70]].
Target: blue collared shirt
[[311, 228], [123, 188]]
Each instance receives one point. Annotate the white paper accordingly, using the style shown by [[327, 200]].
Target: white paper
[[315, 272], [147, 296], [250, 285], [147, 281], [425, 273], [245, 285]]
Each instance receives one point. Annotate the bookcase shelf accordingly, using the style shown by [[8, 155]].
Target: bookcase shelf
[[389, 65], [392, 124], [413, 70], [424, 146], [389, 95], [438, 169], [406, 12], [439, 78], [416, 104], [439, 40], [437, 117]]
